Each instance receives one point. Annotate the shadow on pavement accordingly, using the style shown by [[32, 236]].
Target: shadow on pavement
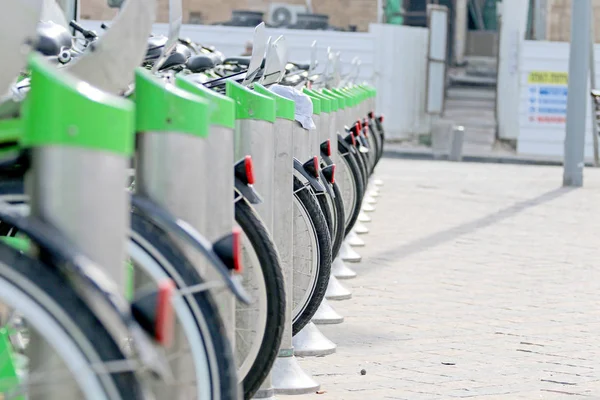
[[450, 234]]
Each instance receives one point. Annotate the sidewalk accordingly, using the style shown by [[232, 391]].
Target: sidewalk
[[478, 281], [496, 156]]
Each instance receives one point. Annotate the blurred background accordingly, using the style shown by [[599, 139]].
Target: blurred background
[[326, 14], [493, 47]]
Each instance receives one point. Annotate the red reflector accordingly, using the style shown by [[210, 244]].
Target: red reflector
[[328, 148], [353, 140], [165, 316], [249, 170], [237, 250], [381, 118], [359, 125], [316, 165], [333, 174]]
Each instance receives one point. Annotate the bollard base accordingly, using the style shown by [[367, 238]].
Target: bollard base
[[362, 217], [360, 228], [289, 378], [336, 291], [368, 207], [326, 315], [378, 182], [374, 192], [340, 270], [310, 342], [354, 240], [348, 254], [370, 200], [265, 394]]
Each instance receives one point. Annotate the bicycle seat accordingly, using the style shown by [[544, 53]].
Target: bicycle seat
[[52, 38], [237, 60], [200, 63], [157, 41], [304, 67], [175, 59], [155, 46]]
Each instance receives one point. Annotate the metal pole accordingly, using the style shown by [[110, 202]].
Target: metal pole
[[539, 21], [460, 31], [576, 100], [593, 86]]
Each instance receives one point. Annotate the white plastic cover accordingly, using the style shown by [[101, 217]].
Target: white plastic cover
[[304, 106], [175, 22], [259, 47], [119, 51], [18, 23], [51, 11]]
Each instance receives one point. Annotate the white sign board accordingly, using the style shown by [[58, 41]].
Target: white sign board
[[546, 98]]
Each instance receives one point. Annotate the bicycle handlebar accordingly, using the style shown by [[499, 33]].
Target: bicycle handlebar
[[89, 35]]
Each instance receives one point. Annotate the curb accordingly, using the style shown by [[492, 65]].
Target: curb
[[487, 159]]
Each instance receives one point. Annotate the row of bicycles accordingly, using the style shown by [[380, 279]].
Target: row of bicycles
[[171, 219]]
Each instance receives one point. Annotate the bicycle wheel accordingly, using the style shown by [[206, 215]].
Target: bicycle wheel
[[207, 346], [354, 176], [361, 162], [259, 326], [375, 139], [374, 149], [326, 206], [37, 303], [155, 256], [312, 257], [340, 220]]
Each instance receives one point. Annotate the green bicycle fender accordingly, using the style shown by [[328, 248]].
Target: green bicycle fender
[[341, 100], [9, 379], [315, 100], [163, 107], [16, 242], [333, 101], [349, 95], [325, 102], [221, 108], [63, 110], [250, 104], [284, 108]]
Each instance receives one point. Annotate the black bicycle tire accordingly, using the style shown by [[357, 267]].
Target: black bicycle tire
[[375, 151], [341, 218], [359, 193], [327, 212], [164, 245], [306, 199], [381, 136], [374, 131], [265, 250], [48, 280], [360, 159]]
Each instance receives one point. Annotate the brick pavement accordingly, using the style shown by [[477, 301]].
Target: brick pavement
[[477, 281]]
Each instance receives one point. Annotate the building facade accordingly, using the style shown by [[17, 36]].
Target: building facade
[[558, 20], [342, 13]]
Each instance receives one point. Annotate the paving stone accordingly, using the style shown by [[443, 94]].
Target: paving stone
[[478, 281]]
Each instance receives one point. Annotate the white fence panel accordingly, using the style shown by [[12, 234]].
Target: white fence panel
[[231, 41], [392, 57], [400, 78]]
